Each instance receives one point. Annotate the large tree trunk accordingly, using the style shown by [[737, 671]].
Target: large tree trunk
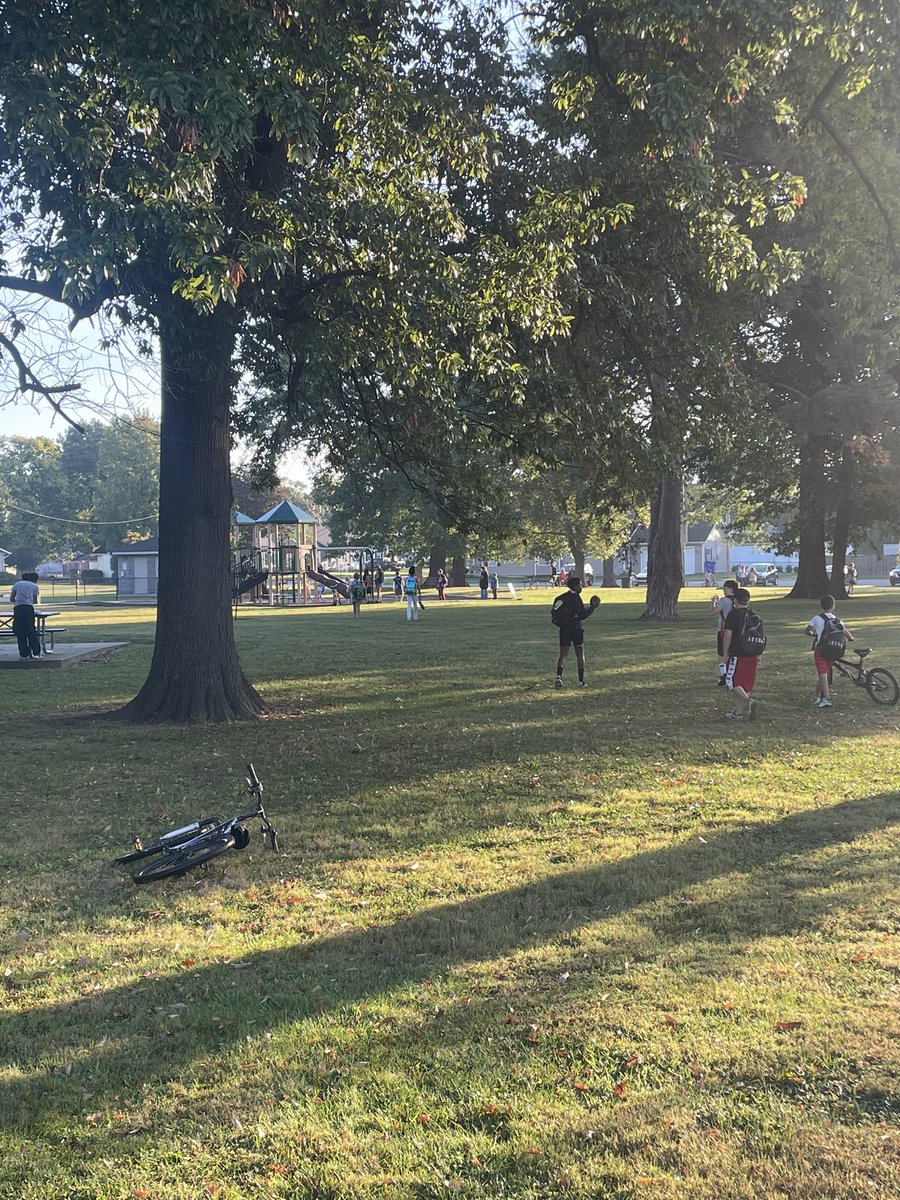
[[843, 491], [436, 560], [578, 560], [458, 571], [609, 573], [195, 674], [812, 577], [665, 558]]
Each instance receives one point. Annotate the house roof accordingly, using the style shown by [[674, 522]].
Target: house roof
[[286, 513], [240, 518], [2, 551], [147, 546]]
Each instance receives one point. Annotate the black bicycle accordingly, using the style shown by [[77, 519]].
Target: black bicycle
[[878, 681], [180, 850]]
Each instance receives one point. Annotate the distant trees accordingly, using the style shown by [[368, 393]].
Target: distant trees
[[83, 493]]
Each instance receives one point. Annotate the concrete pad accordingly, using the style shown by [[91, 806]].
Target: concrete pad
[[65, 655]]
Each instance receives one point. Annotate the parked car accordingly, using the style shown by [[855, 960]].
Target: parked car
[[588, 580], [894, 577], [639, 577], [766, 574]]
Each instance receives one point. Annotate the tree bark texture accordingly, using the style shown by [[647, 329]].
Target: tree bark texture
[[665, 564], [195, 674], [840, 537], [436, 560], [458, 571], [812, 577], [609, 573]]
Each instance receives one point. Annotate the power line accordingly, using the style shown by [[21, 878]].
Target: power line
[[77, 521]]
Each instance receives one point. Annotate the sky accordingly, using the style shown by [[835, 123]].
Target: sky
[[114, 382]]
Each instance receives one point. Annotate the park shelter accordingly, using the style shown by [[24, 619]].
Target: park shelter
[[137, 570]]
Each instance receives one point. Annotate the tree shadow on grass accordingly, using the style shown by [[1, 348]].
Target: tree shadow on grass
[[329, 975]]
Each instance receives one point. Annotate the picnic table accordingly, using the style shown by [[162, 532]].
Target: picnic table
[[46, 633]]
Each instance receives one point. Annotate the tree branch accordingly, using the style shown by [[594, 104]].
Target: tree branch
[[51, 289], [29, 382], [866, 182]]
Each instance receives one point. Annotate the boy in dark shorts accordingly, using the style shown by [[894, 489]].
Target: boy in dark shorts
[[740, 671], [571, 611]]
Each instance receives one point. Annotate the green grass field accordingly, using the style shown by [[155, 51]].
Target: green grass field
[[519, 942]]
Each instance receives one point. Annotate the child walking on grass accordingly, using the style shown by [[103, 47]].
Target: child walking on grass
[[831, 635]]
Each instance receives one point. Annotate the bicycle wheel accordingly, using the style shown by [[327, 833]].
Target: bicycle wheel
[[178, 862], [882, 686], [167, 842]]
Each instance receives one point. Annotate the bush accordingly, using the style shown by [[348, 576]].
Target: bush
[[92, 575], [7, 577]]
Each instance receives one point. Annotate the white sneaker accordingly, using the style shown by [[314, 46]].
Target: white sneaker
[[581, 683], [823, 703], [558, 683]]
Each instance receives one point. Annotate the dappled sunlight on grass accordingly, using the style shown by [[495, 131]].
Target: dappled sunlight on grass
[[518, 942]]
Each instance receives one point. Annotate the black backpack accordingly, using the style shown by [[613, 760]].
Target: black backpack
[[751, 640], [830, 644], [559, 613]]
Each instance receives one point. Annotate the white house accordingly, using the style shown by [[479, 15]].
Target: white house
[[4, 554], [137, 570]]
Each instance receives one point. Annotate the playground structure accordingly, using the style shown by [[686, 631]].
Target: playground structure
[[276, 559], [349, 559], [268, 556]]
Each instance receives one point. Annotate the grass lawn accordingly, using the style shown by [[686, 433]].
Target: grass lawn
[[519, 942]]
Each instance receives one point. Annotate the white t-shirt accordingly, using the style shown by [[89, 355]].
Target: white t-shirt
[[818, 624], [24, 592], [723, 608]]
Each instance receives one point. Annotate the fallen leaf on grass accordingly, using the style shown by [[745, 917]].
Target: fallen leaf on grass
[[620, 1090], [94, 1118], [581, 1086], [786, 1025], [795, 1079], [670, 1020], [633, 1061], [728, 1007]]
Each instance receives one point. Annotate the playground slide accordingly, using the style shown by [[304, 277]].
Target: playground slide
[[248, 584], [330, 581]]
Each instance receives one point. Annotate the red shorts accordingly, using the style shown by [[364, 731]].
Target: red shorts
[[823, 665], [742, 672]]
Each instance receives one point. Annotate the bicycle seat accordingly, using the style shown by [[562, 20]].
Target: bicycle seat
[[862, 653]]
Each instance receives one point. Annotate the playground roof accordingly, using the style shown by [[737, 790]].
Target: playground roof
[[242, 519], [286, 513]]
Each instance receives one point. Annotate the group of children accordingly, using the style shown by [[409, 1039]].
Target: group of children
[[740, 641], [407, 587], [739, 657]]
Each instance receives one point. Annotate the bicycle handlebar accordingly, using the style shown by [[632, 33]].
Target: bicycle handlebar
[[253, 778]]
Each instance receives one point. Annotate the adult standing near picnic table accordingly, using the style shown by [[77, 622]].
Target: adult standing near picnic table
[[24, 595]]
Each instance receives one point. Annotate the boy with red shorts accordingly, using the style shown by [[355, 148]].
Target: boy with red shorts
[[816, 628], [740, 670]]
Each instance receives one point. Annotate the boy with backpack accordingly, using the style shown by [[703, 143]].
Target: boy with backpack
[[743, 641], [722, 606], [567, 614], [832, 636], [357, 593], [413, 594]]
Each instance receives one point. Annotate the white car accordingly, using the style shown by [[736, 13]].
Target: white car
[[588, 579]]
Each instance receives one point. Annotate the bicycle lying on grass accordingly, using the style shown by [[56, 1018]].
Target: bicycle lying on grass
[[180, 850], [878, 681]]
